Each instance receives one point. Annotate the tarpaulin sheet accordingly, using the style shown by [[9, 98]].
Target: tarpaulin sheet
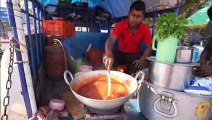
[[119, 8]]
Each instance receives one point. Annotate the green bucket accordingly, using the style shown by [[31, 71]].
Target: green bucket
[[166, 49]]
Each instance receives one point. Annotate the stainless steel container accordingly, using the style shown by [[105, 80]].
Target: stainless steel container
[[173, 76], [184, 54], [158, 103]]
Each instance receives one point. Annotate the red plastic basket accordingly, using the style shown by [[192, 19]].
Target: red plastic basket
[[58, 28]]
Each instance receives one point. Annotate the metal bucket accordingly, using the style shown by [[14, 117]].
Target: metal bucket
[[130, 82], [184, 54], [173, 76], [158, 103]]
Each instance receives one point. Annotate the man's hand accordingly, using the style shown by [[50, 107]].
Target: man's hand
[[204, 71], [108, 61], [139, 62], [108, 58]]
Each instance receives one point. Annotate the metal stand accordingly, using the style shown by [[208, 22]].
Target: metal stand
[[121, 115]]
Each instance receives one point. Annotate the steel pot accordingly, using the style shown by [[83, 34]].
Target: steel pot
[[173, 76], [158, 103], [130, 82], [184, 54]]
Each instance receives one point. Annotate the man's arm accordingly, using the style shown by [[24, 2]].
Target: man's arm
[[109, 45], [147, 52], [148, 43], [139, 63], [108, 58], [203, 60]]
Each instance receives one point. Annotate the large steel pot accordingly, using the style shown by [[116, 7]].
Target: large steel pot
[[173, 76], [158, 103], [130, 82]]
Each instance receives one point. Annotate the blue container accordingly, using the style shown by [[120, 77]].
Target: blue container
[[196, 53]]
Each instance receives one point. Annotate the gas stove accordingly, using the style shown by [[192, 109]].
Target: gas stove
[[100, 114]]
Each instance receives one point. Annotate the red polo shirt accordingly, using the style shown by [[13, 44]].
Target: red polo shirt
[[129, 43]]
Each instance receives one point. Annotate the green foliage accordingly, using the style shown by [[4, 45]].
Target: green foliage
[[170, 24]]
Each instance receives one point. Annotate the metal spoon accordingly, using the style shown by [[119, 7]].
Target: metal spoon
[[109, 83]]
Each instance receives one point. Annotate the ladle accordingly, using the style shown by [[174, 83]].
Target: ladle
[[109, 83]]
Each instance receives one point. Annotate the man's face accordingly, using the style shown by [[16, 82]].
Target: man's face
[[135, 17]]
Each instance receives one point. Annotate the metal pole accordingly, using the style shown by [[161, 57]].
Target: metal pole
[[35, 31], [178, 7], [29, 37], [154, 24], [42, 31], [177, 10], [40, 36], [1, 30], [19, 58], [22, 40]]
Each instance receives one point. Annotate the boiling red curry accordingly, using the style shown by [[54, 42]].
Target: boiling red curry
[[97, 88]]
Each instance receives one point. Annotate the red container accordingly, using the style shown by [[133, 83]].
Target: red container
[[95, 58], [70, 29], [54, 62], [54, 27], [58, 28], [49, 39]]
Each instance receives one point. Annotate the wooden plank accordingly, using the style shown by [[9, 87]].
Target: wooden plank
[[74, 106]]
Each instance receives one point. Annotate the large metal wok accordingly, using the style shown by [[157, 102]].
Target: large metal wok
[[130, 82]]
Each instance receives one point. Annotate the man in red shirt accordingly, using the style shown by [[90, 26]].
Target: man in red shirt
[[130, 33]]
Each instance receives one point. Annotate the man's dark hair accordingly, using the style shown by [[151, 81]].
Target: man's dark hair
[[210, 13], [138, 5]]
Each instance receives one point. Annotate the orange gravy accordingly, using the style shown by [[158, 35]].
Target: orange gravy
[[97, 88]]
